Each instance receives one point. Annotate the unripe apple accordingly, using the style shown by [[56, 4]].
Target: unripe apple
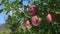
[[36, 21], [33, 9], [28, 24], [50, 17]]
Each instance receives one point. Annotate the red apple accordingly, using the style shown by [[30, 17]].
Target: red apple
[[28, 24], [50, 17], [33, 9], [54, 5], [35, 21]]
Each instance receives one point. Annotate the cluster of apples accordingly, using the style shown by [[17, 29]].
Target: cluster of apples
[[36, 21]]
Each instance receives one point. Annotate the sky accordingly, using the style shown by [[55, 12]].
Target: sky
[[3, 15]]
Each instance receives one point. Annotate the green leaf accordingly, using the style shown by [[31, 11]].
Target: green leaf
[[26, 13], [22, 15], [7, 12], [1, 11], [3, 1]]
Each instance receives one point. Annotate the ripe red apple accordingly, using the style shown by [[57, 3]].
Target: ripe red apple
[[54, 5], [28, 24], [36, 21], [50, 17], [33, 9]]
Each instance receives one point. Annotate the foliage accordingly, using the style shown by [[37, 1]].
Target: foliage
[[5, 32]]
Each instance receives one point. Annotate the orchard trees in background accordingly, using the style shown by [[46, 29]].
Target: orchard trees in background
[[40, 17]]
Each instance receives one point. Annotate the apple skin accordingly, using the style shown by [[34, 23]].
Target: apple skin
[[28, 24], [33, 9], [50, 17], [36, 22], [54, 5]]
